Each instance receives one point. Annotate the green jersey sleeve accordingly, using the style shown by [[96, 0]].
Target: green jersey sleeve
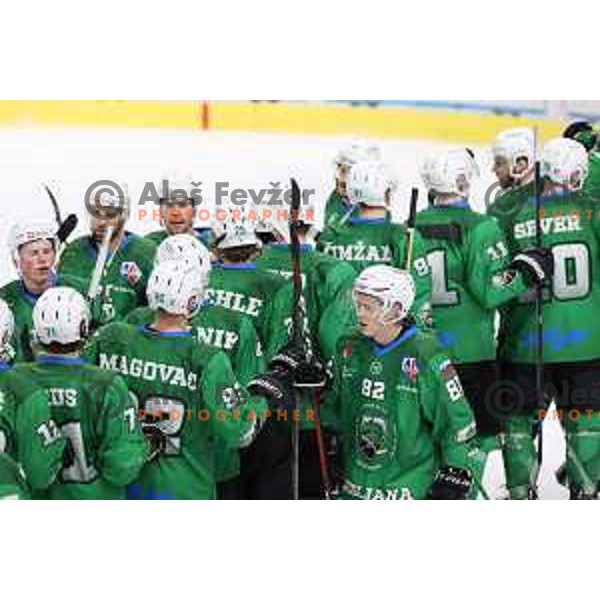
[[446, 408], [40, 444], [487, 264], [122, 447], [236, 413]]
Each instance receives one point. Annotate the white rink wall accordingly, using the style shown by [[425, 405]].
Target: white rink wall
[[69, 160]]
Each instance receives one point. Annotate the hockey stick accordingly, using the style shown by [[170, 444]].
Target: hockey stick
[[300, 336], [66, 227], [100, 264], [410, 227], [539, 323], [297, 323]]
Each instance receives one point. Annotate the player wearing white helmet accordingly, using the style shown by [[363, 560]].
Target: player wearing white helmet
[[514, 155], [325, 279], [178, 200], [91, 407], [357, 151], [472, 275], [368, 237], [33, 248], [219, 328], [123, 281], [31, 446], [571, 350], [185, 388], [240, 284], [406, 427]]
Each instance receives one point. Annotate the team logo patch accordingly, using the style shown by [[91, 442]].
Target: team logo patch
[[410, 367], [376, 368], [347, 351], [131, 272]]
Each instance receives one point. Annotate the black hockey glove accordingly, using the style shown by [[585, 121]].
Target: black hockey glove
[[276, 386], [536, 264], [450, 483], [305, 374], [156, 440]]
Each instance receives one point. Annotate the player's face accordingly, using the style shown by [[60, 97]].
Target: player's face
[[501, 169], [36, 261], [178, 217], [369, 311], [341, 177], [100, 225]]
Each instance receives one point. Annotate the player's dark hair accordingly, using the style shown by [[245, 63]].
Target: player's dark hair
[[241, 254], [56, 348]]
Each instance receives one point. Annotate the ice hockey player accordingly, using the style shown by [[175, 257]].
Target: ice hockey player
[[186, 389], [472, 274], [584, 133], [338, 205], [177, 212], [91, 407], [370, 237], [33, 249], [325, 280], [31, 446], [571, 230], [218, 327], [407, 430], [123, 282], [513, 152], [239, 284]]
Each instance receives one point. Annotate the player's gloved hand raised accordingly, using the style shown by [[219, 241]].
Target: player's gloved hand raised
[[536, 264], [276, 386], [305, 374], [450, 483]]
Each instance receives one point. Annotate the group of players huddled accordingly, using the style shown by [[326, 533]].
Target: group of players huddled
[[175, 375]]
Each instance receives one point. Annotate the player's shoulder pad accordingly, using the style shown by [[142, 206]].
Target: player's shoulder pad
[[140, 248], [19, 381]]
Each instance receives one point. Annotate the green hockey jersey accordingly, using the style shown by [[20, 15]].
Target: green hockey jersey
[[123, 285], [233, 333], [95, 413], [402, 415], [187, 390], [366, 242], [468, 258], [592, 182], [571, 228], [28, 434], [21, 303], [12, 480], [250, 290], [336, 209]]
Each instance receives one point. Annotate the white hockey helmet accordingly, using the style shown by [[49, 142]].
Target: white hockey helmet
[[24, 234], [393, 287], [186, 248], [357, 151], [7, 328], [450, 173], [514, 144], [368, 183], [176, 287], [232, 228], [61, 315], [565, 162]]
